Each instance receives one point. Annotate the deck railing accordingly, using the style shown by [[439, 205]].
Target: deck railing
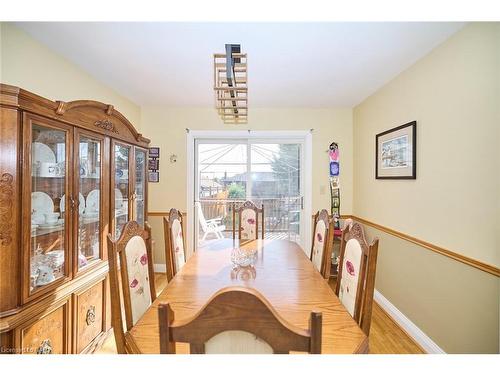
[[280, 214]]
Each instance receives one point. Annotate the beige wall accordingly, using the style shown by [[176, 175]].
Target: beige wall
[[167, 129], [31, 65], [454, 95]]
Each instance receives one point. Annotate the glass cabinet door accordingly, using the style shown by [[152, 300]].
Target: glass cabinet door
[[121, 186], [89, 209], [140, 186], [49, 238]]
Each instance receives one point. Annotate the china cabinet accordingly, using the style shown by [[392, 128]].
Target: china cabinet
[[70, 173]]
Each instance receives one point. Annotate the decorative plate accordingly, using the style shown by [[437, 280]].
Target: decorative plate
[[40, 152], [92, 204], [41, 204], [118, 199], [81, 206]]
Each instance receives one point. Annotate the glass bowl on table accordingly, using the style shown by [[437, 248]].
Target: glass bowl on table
[[243, 256]]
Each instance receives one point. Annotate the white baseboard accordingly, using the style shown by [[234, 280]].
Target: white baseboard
[[160, 267], [407, 325]]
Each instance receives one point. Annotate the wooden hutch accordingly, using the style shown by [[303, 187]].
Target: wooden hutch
[[70, 173]]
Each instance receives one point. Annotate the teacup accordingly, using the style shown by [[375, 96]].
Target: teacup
[[45, 275], [49, 170], [37, 219], [51, 218]]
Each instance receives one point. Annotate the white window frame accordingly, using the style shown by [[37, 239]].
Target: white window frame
[[300, 136]]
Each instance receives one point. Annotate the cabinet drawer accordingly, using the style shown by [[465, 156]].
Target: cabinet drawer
[[47, 334], [89, 315]]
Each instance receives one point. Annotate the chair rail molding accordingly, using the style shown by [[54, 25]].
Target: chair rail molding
[[489, 268]]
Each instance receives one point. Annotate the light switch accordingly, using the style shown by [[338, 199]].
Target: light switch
[[322, 189]]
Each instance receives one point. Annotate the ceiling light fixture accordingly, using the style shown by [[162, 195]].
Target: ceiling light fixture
[[230, 85]]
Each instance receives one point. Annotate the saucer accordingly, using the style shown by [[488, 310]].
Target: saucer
[[90, 214], [50, 226]]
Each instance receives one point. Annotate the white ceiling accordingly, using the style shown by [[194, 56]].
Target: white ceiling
[[289, 64]]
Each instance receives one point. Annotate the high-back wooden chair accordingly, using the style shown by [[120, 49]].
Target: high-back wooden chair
[[175, 253], [238, 320], [356, 276], [248, 218], [131, 262], [322, 242]]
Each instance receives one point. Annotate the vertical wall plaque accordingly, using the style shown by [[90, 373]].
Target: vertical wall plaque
[[154, 164]]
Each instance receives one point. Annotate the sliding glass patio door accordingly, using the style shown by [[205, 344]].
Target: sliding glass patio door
[[266, 171]]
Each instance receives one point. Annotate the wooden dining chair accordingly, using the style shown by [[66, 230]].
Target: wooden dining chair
[[322, 243], [238, 320], [175, 253], [356, 277], [131, 278], [248, 219]]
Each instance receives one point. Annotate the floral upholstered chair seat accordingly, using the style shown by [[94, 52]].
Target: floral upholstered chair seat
[[138, 276], [178, 243], [131, 281], [351, 265], [322, 245], [248, 230], [250, 218], [319, 245]]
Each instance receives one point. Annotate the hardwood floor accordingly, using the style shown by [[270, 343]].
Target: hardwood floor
[[386, 337]]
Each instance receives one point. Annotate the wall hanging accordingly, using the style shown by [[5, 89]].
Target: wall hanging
[[333, 153], [396, 153], [154, 164]]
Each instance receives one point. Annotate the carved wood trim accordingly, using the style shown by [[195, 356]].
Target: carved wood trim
[[106, 125], [130, 229], [6, 208], [18, 98]]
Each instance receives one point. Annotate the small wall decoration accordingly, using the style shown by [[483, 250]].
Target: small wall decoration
[[154, 176], [333, 154], [154, 164], [154, 152], [396, 153]]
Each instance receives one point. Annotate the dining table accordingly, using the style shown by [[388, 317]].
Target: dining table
[[281, 272]]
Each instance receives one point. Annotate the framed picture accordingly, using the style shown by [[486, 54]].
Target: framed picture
[[154, 177], [396, 153], [154, 152], [153, 164]]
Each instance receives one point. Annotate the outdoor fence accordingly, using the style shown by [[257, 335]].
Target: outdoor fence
[[280, 214]]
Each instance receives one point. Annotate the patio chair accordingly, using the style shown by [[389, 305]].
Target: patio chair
[[210, 226]]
